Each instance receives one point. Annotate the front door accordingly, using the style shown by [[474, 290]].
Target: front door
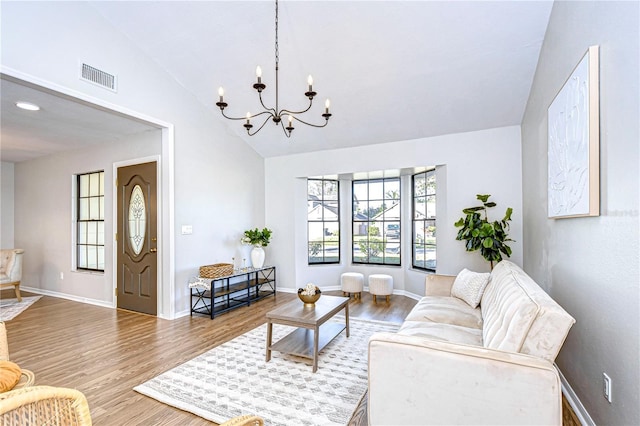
[[137, 239]]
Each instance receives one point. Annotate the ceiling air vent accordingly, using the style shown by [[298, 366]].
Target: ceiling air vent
[[98, 77]]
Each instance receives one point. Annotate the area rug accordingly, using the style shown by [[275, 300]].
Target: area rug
[[11, 308], [233, 379]]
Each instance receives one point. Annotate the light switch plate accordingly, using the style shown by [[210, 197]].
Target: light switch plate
[[187, 229]]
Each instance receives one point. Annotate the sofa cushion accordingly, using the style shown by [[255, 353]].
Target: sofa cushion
[[446, 310], [551, 323], [444, 332], [507, 311], [469, 286]]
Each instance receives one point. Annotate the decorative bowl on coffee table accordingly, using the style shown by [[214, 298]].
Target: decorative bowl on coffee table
[[308, 299]]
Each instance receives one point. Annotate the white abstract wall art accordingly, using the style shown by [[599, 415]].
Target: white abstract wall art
[[574, 143]]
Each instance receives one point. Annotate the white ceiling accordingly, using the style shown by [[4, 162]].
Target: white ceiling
[[61, 124], [394, 70]]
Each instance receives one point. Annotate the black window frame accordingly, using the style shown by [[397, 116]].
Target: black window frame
[[360, 222], [322, 201], [90, 222], [423, 222]]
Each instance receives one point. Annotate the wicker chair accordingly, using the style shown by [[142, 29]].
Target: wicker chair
[[246, 420], [44, 405], [28, 378]]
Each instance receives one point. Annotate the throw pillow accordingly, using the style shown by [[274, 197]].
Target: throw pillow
[[469, 286], [9, 375]]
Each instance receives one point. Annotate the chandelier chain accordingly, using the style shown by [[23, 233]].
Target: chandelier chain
[[277, 53]]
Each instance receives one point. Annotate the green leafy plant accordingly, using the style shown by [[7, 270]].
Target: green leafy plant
[[481, 234], [257, 237]]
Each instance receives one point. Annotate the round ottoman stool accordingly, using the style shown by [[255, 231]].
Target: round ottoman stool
[[352, 282], [380, 285]]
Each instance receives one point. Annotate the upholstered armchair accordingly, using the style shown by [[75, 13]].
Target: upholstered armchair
[[11, 270]]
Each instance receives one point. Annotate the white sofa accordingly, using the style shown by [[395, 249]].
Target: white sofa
[[452, 364]]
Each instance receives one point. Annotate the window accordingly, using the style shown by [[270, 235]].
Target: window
[[376, 221], [424, 220], [90, 222], [323, 221]]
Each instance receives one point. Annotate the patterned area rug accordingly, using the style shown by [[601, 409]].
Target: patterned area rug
[[11, 308], [233, 379]]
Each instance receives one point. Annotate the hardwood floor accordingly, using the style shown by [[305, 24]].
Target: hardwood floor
[[106, 352]]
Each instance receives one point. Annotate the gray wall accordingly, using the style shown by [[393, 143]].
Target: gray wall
[[6, 205], [590, 265], [44, 228]]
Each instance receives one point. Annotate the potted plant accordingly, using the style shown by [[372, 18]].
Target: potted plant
[[258, 239], [481, 234]]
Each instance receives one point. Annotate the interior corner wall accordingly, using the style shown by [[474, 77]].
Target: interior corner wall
[[482, 162], [6, 205], [590, 265]]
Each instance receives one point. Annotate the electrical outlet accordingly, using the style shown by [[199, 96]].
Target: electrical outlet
[[607, 387]]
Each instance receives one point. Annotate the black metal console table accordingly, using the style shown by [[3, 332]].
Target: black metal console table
[[241, 288]]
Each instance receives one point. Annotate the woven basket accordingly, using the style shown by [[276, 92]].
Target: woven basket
[[216, 270]]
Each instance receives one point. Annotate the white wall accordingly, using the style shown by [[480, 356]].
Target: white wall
[[483, 162], [590, 265], [6, 205], [215, 172]]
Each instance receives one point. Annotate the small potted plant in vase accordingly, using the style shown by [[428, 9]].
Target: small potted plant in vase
[[258, 239]]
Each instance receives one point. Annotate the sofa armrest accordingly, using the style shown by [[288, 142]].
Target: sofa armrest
[[418, 381], [438, 285]]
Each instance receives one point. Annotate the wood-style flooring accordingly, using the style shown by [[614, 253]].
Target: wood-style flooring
[[106, 352]]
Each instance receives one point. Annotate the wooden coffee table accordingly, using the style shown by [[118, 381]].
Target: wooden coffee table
[[312, 333]]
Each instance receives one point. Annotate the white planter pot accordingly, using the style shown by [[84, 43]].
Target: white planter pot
[[257, 257]]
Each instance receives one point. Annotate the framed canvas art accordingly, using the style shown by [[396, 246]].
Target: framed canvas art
[[574, 143]]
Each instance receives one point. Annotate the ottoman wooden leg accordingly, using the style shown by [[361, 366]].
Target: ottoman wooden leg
[[374, 299], [388, 299]]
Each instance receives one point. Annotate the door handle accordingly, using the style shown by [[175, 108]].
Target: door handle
[[153, 250]]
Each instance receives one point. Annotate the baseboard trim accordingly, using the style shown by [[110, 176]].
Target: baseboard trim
[[67, 296], [574, 401]]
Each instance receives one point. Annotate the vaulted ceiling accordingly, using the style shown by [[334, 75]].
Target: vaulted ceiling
[[394, 70]]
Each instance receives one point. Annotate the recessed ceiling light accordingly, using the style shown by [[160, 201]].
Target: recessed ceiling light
[[28, 106]]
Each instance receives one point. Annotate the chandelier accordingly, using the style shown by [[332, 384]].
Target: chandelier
[[275, 114]]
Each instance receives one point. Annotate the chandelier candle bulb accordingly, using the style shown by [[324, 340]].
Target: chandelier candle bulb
[[221, 94], [310, 83], [248, 124], [327, 103], [259, 73]]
